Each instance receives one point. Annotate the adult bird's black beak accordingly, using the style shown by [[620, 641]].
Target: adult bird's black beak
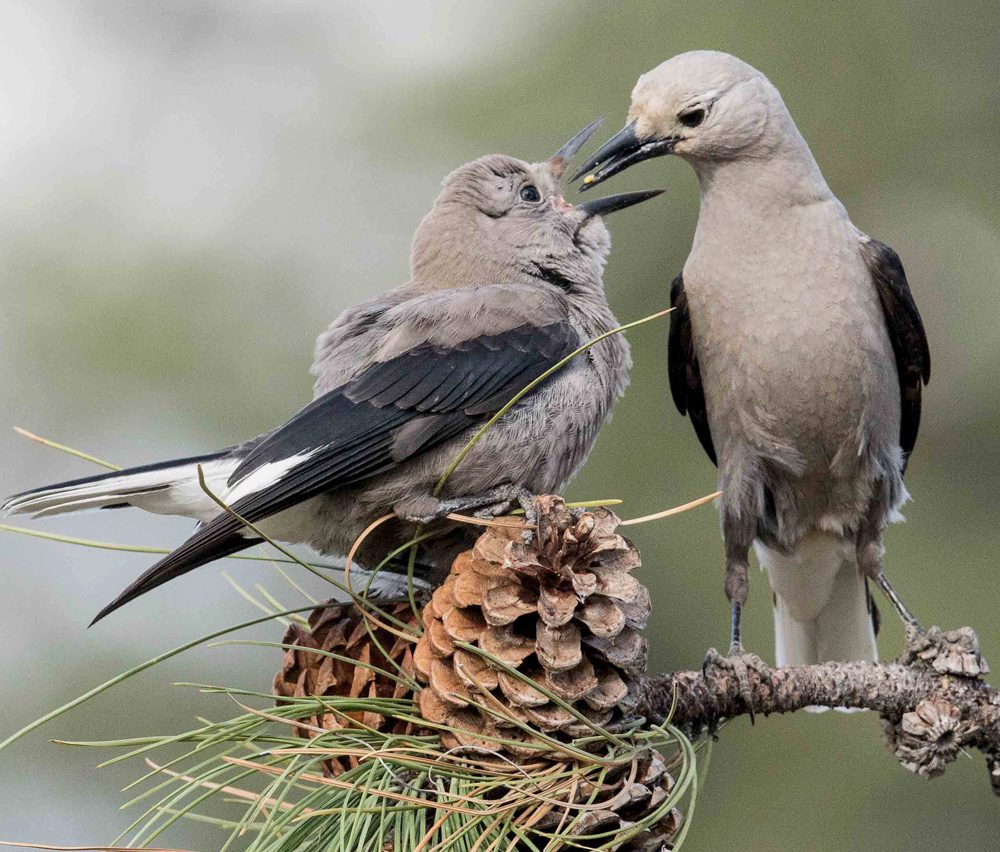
[[604, 206], [560, 159], [622, 150]]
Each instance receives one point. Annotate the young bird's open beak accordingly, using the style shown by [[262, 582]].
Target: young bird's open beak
[[604, 206], [560, 159], [599, 206], [622, 150]]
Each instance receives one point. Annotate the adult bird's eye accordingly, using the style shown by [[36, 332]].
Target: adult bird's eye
[[692, 118], [531, 194]]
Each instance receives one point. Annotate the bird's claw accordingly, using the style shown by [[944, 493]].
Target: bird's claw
[[739, 664], [526, 500], [426, 509]]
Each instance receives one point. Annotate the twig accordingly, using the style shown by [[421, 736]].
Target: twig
[[932, 699]]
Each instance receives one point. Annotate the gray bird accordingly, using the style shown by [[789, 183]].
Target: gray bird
[[506, 281], [795, 348]]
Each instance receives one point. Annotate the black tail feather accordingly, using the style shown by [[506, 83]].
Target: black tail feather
[[190, 555]]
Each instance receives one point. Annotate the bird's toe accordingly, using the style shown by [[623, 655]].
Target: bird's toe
[[737, 664]]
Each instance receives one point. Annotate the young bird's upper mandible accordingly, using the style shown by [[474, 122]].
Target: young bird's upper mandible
[[795, 348], [506, 282]]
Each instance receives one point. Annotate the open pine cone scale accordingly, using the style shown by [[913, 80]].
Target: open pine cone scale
[[561, 615]]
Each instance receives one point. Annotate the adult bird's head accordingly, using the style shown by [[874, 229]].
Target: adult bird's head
[[705, 106], [499, 219]]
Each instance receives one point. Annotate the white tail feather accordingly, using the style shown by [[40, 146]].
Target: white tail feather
[[168, 490], [820, 603]]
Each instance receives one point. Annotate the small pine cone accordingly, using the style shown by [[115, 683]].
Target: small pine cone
[[340, 628], [623, 800], [945, 651], [564, 612], [929, 737]]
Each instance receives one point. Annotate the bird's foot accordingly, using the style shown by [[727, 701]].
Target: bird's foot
[[738, 663], [954, 652], [426, 509], [509, 497], [512, 496]]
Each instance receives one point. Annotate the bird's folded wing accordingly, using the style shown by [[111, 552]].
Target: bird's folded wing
[[906, 334], [685, 375], [387, 414], [391, 411]]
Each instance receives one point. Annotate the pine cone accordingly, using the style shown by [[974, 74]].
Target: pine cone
[[564, 612], [340, 628], [623, 800], [929, 737]]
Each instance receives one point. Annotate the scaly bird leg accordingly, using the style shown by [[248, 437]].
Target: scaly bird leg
[[954, 652], [897, 603], [738, 661], [870, 552], [497, 501]]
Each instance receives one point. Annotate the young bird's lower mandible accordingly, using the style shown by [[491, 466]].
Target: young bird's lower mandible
[[795, 348], [506, 282]]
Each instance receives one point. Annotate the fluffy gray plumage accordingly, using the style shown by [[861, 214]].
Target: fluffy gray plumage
[[506, 280], [796, 349]]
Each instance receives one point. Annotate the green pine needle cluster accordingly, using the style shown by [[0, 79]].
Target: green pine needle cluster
[[399, 792]]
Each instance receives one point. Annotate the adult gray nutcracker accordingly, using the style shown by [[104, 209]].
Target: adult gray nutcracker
[[506, 281], [795, 348]]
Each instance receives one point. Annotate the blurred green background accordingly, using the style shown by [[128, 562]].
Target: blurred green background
[[191, 190]]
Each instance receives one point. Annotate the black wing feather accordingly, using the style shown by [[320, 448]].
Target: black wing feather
[[685, 375], [906, 334], [350, 433]]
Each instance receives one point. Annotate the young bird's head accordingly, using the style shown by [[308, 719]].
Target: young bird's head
[[704, 106], [499, 219]]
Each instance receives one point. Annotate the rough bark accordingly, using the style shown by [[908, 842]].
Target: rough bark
[[932, 700]]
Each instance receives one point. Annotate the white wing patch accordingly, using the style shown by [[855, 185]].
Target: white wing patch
[[264, 477]]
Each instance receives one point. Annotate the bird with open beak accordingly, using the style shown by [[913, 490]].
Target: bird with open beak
[[506, 282], [795, 348]]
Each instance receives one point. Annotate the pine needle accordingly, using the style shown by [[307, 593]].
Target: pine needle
[[676, 510], [31, 436]]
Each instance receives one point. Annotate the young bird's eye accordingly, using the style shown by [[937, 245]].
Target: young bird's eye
[[531, 194], [692, 118]]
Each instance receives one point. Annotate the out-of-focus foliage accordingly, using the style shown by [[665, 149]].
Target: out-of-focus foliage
[[191, 191]]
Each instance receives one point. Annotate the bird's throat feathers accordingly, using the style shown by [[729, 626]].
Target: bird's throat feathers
[[451, 251]]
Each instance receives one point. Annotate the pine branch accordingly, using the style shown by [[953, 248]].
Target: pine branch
[[932, 700]]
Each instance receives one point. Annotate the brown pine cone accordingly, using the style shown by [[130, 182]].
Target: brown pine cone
[[564, 612], [340, 628], [624, 799]]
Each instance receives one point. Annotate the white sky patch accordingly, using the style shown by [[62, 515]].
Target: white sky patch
[[179, 111]]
